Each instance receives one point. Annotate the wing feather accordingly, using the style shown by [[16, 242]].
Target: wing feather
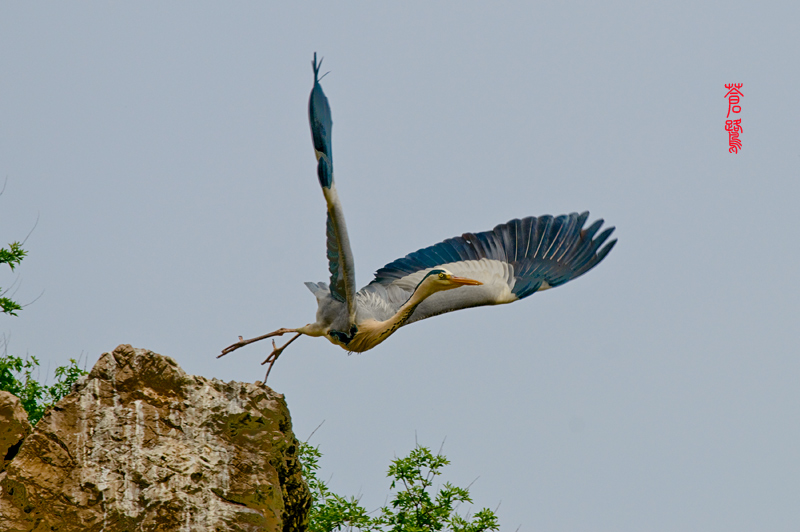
[[340, 257], [513, 260]]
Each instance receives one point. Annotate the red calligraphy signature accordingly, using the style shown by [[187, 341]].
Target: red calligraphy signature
[[734, 127]]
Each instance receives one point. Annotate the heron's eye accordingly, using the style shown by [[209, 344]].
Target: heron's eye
[[442, 276]]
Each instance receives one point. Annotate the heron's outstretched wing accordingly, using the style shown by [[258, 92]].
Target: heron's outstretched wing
[[340, 257], [512, 261]]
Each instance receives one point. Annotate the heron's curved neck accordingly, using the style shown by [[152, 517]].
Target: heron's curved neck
[[371, 333], [422, 292]]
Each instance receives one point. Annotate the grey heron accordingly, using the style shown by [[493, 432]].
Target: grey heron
[[506, 264]]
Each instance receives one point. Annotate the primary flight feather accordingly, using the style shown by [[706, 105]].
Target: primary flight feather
[[508, 263]]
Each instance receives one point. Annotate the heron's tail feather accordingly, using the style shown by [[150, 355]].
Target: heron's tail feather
[[316, 287]]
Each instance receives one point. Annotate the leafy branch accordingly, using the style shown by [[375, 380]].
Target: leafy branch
[[413, 508], [16, 376], [11, 256]]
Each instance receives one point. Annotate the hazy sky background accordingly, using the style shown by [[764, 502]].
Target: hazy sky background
[[167, 156]]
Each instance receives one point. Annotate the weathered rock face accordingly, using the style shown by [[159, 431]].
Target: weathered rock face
[[141, 445], [14, 427]]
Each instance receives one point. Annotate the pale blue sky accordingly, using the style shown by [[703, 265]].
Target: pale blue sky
[[167, 154]]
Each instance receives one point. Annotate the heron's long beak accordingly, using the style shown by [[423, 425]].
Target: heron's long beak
[[464, 280]]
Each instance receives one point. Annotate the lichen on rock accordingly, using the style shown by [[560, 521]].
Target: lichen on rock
[[141, 445]]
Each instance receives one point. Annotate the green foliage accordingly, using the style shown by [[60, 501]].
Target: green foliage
[[329, 511], [11, 256], [413, 509], [16, 376], [9, 306]]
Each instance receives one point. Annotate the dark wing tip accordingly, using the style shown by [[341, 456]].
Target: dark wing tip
[[316, 66], [603, 236], [603, 252], [319, 117]]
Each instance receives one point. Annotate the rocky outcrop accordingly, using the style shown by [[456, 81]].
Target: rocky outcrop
[[141, 445], [14, 427]]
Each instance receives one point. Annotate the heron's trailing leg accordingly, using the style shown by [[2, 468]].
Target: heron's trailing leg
[[276, 352], [242, 343]]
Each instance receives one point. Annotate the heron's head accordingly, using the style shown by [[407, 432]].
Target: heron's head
[[440, 279]]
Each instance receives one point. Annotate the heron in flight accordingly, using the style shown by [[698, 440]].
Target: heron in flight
[[506, 264]]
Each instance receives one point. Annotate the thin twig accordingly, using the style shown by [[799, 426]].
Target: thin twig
[[313, 431], [35, 300], [32, 228], [442, 445]]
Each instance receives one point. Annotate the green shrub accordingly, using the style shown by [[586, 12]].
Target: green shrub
[[413, 507], [16, 376], [11, 256]]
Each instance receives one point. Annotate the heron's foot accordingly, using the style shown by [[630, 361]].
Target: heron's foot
[[276, 352], [242, 342]]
